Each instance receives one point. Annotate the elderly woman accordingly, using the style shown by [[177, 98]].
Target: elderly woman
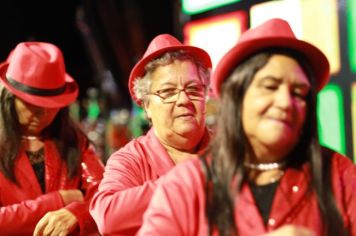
[[170, 83], [48, 171], [266, 173]]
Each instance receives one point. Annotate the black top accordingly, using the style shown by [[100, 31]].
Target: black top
[[39, 171], [37, 161], [263, 195]]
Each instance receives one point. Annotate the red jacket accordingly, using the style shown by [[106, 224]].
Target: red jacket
[[178, 205], [23, 205], [130, 177]]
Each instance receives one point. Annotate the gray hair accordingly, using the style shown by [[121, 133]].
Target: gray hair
[[142, 85]]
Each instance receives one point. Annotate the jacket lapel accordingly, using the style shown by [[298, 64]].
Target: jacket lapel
[[292, 191], [158, 157], [53, 167], [248, 218], [26, 176]]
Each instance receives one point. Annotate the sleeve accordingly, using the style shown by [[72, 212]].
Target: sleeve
[[348, 183], [177, 206], [23, 217], [91, 174], [123, 195]]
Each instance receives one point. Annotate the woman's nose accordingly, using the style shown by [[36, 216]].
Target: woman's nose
[[182, 97], [284, 98]]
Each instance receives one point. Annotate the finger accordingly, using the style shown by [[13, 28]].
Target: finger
[[51, 225], [59, 231], [48, 230], [41, 225], [63, 234]]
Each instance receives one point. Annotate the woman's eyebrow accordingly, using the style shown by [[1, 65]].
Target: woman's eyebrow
[[270, 77]]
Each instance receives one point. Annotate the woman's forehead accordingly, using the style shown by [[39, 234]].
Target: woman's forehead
[[175, 74]]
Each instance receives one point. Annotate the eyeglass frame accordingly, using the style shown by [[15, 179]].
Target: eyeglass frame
[[179, 90]]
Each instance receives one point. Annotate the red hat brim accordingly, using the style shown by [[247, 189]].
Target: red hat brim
[[68, 96], [317, 60], [139, 68]]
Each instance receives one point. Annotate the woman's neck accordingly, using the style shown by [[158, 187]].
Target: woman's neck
[[32, 143], [179, 148], [264, 169], [265, 177], [179, 155]]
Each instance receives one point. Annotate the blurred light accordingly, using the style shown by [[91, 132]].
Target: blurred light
[[259, 13], [216, 34], [353, 116], [351, 30], [315, 32], [308, 20], [331, 121], [190, 7]]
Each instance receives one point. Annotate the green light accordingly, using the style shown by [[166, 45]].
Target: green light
[[351, 29], [191, 7], [353, 116], [93, 110], [331, 122]]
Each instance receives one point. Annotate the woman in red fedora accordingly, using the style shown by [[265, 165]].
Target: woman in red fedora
[[170, 83], [265, 173], [48, 170]]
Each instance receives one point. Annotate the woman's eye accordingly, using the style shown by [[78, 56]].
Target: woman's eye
[[194, 90], [167, 92], [270, 86], [299, 95]]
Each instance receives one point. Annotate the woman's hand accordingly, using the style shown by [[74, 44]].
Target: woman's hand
[[56, 223], [71, 195], [291, 230]]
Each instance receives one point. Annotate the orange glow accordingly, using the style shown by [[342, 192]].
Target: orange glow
[[216, 34]]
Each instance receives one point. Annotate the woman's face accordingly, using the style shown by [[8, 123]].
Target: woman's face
[[183, 119], [274, 108], [33, 119]]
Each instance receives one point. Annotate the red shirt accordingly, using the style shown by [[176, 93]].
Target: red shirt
[[178, 205], [23, 205], [130, 177]]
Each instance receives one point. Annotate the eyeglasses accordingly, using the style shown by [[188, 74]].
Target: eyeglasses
[[171, 95]]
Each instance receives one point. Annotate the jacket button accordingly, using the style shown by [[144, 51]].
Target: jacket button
[[295, 189], [271, 221]]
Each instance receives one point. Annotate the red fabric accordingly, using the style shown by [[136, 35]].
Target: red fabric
[[131, 175], [22, 206], [178, 205], [30, 65], [272, 33]]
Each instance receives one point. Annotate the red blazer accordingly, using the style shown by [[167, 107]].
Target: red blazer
[[178, 204], [23, 205], [131, 175]]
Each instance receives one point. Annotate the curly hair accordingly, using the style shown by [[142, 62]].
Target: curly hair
[[142, 85]]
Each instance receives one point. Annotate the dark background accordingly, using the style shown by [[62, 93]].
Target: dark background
[[101, 39]]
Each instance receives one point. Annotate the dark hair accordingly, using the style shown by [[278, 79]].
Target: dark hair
[[67, 136], [230, 145]]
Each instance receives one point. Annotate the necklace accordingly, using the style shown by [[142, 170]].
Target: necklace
[[30, 137], [36, 156], [265, 166]]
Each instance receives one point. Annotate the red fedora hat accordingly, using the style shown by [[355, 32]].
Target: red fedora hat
[[35, 72], [159, 45], [272, 33]]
